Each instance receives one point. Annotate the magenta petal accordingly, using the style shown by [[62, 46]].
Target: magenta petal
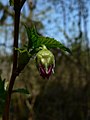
[[49, 71], [43, 71]]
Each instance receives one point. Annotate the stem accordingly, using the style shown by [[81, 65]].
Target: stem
[[14, 74], [22, 3], [17, 7]]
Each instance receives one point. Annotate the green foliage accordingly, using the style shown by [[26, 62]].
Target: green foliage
[[32, 36], [35, 40], [3, 94], [23, 59]]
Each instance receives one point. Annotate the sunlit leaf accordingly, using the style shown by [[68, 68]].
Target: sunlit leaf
[[35, 40], [32, 36]]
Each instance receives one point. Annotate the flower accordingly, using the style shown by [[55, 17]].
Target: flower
[[45, 62]]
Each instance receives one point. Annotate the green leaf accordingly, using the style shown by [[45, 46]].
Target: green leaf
[[23, 58], [32, 36], [51, 43], [21, 90], [35, 40]]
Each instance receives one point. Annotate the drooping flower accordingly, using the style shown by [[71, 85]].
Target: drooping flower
[[45, 62]]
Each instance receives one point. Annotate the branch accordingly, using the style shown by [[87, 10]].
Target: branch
[[22, 3], [15, 45], [17, 8]]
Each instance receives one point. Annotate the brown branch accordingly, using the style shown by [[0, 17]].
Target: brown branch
[[22, 3], [15, 45]]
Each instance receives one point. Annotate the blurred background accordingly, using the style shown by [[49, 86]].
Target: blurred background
[[66, 95]]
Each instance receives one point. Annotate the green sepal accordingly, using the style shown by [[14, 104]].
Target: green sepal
[[45, 57]]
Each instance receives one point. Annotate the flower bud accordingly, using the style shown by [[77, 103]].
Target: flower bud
[[45, 62]]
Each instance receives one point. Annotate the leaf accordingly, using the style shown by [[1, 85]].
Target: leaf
[[23, 57], [35, 40], [51, 43], [32, 36], [21, 90]]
